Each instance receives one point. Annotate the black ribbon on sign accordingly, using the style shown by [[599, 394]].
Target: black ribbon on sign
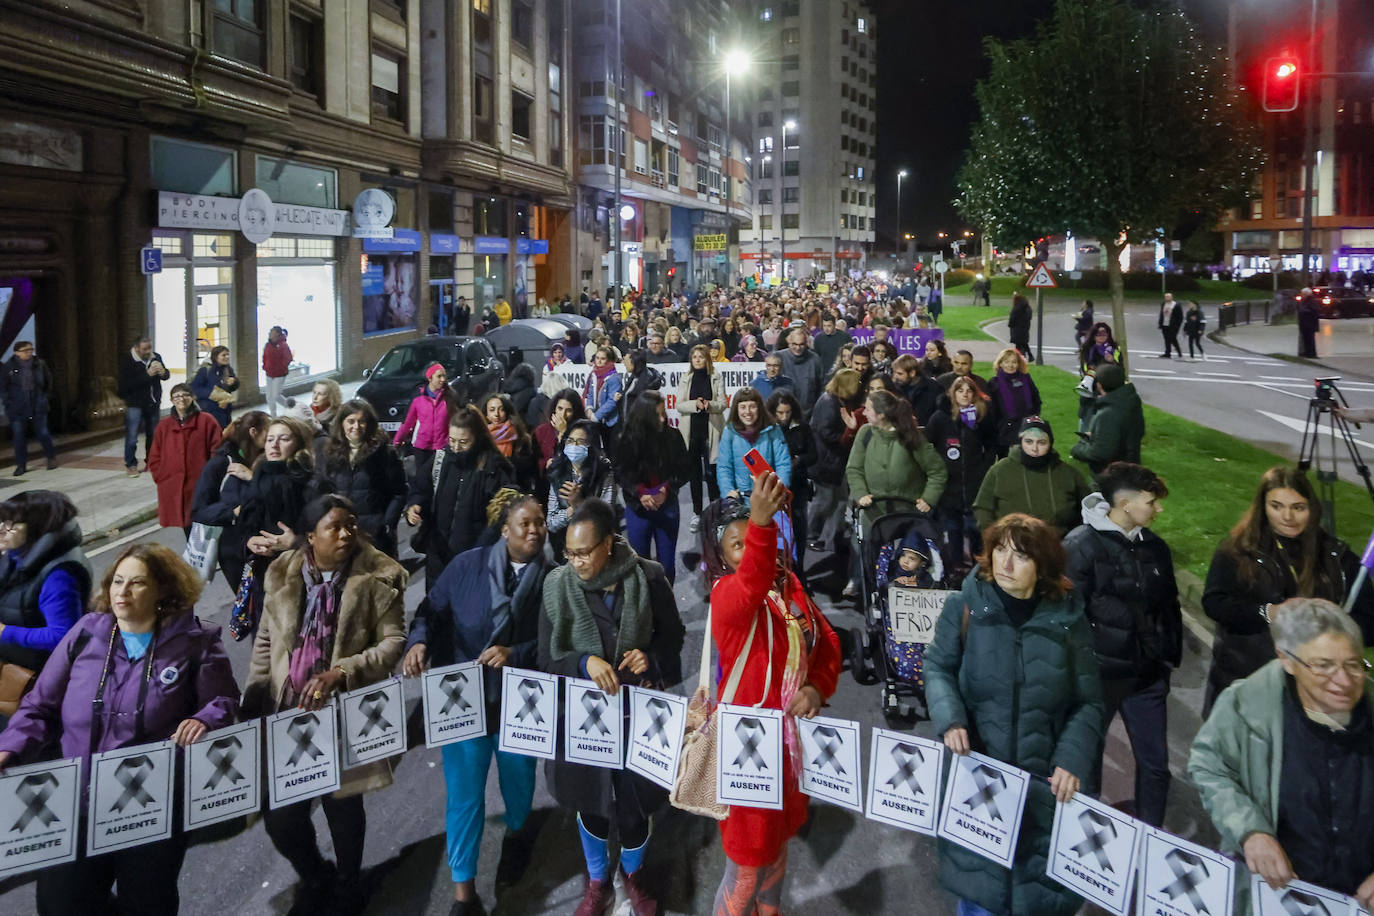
[[531, 691], [222, 753], [1189, 871], [1301, 903], [907, 757], [302, 731], [990, 784], [660, 714], [594, 702], [750, 732], [828, 742], [373, 705], [34, 791], [132, 773], [452, 687], [1098, 831]]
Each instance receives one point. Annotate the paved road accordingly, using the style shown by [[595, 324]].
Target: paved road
[[843, 864]]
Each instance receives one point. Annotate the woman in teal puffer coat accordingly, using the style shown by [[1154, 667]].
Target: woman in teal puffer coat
[[1012, 674]]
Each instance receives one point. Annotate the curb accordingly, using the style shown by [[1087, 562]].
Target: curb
[[137, 517], [1220, 337]]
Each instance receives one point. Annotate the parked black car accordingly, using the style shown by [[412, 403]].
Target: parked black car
[[1341, 302], [470, 362]]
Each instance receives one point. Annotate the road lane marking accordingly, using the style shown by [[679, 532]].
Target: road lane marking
[[1301, 426], [1220, 374], [122, 541]]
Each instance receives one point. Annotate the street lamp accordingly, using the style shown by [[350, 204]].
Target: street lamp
[[900, 175], [615, 158], [735, 61], [787, 125]]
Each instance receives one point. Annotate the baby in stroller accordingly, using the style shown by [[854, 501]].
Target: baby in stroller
[[912, 560]]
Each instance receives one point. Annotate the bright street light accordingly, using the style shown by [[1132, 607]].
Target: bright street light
[[902, 173], [737, 61], [790, 125], [627, 212]]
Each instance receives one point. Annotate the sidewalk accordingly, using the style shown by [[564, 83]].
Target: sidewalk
[[1345, 347], [93, 477]]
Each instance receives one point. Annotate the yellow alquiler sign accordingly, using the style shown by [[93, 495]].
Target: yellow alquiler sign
[[708, 242]]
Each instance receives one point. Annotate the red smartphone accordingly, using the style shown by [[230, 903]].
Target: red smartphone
[[756, 463]]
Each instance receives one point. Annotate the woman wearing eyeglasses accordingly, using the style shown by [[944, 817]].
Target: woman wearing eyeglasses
[[182, 445]]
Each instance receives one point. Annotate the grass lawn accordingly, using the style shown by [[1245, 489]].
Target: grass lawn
[[1212, 476], [961, 322], [1213, 291]]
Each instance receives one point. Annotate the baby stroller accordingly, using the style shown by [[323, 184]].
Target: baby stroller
[[900, 548]]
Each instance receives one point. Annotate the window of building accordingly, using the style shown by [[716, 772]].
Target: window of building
[[702, 178], [766, 94], [674, 166], [844, 36], [765, 145], [791, 62], [591, 140], [714, 177], [844, 115], [766, 167], [863, 149], [793, 138], [844, 141], [588, 89], [305, 62], [521, 110], [765, 119], [193, 168], [791, 168], [288, 182], [766, 14], [859, 173], [863, 199], [791, 195], [765, 195], [791, 87], [236, 30], [555, 138], [854, 70], [861, 25], [641, 156], [791, 221], [791, 36], [388, 86], [482, 113], [791, 8], [481, 22], [714, 137], [522, 23], [844, 220], [440, 210], [863, 98], [766, 222], [844, 195]]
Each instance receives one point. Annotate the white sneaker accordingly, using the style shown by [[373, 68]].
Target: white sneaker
[[695, 524], [850, 589]]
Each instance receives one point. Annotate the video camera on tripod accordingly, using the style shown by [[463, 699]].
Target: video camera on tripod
[[1325, 400]]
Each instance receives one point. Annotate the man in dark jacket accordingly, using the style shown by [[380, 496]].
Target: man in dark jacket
[[25, 384], [141, 374], [1125, 575], [1309, 323], [962, 363], [485, 608], [1019, 323], [830, 341], [1170, 320], [801, 364], [1117, 425]]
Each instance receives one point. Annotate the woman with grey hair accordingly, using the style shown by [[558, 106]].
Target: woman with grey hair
[[1285, 763]]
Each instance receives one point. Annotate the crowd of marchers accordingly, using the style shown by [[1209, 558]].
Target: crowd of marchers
[[552, 526]]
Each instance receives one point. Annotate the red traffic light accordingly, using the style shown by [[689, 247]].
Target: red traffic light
[[672, 271], [1281, 78]]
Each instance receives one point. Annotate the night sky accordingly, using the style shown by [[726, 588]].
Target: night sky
[[930, 55]]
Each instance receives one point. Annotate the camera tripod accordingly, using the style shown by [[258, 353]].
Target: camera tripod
[[1323, 404]]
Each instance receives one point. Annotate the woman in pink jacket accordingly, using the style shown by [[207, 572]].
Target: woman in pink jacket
[[429, 411]]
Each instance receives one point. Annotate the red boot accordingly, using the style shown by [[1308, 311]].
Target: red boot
[[596, 899], [642, 903]]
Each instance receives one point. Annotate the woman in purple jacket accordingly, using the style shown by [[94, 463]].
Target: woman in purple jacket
[[162, 675]]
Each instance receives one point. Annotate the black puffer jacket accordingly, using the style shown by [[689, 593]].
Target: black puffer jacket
[[801, 445], [968, 453], [1130, 595], [453, 514], [832, 444], [1239, 584], [375, 481], [522, 387]]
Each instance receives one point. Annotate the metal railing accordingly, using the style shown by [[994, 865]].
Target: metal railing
[[1231, 314]]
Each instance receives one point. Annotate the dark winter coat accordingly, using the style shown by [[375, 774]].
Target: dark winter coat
[[1194, 323], [1013, 397], [1175, 319], [1115, 431], [634, 387], [1129, 594], [181, 449], [453, 515], [375, 480], [207, 379], [1052, 494], [21, 404], [1029, 696], [801, 445], [968, 455], [213, 503], [521, 386], [136, 387], [1019, 320], [833, 441]]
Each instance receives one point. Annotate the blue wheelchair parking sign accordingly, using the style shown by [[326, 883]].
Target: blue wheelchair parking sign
[[150, 260]]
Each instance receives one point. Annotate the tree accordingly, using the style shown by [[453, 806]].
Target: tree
[[1110, 122]]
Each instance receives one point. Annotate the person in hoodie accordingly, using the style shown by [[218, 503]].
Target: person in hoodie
[[426, 421], [44, 575], [1117, 425], [1033, 479], [1124, 573]]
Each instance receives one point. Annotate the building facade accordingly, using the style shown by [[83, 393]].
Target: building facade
[[681, 152], [816, 132], [1343, 184], [233, 137]]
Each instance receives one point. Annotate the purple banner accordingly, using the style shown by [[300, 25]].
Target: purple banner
[[906, 340], [1367, 561]]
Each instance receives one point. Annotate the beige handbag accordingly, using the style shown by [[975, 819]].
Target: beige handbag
[[694, 790]]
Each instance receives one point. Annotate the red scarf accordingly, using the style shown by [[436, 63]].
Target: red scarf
[[504, 434]]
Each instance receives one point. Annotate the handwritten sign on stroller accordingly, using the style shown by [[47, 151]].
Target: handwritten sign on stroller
[[593, 729], [1178, 878], [984, 801], [749, 756], [830, 761], [1299, 897], [131, 797], [455, 704], [904, 780], [1093, 852], [912, 612], [223, 775], [529, 713], [657, 720], [374, 722], [302, 754], [40, 808]]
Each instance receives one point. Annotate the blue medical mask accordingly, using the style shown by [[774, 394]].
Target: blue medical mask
[[575, 453]]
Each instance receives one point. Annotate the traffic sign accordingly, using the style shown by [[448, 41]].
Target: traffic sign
[[1041, 279], [940, 266], [150, 260]]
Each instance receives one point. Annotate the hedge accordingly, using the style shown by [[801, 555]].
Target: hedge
[[1137, 280]]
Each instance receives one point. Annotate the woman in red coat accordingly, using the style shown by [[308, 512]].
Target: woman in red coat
[[754, 582], [182, 444]]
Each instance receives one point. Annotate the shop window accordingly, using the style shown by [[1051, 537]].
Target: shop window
[[193, 168], [489, 216], [388, 86], [390, 292], [289, 182], [522, 24], [305, 63], [521, 109], [791, 220], [236, 30]]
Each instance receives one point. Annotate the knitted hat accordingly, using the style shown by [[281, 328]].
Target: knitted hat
[[1035, 423], [1110, 376]]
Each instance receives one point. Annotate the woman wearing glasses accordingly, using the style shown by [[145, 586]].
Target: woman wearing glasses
[[182, 445], [1278, 550], [1284, 742]]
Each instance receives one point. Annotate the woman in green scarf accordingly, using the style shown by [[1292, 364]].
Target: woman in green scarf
[[609, 617]]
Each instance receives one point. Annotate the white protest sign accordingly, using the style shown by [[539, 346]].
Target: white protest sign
[[749, 756], [223, 775], [984, 801], [302, 755], [1178, 878], [529, 713], [1301, 898], [455, 704], [912, 612], [374, 722], [657, 721], [1093, 852], [131, 797], [40, 808], [904, 780], [830, 761], [733, 377], [593, 729]]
